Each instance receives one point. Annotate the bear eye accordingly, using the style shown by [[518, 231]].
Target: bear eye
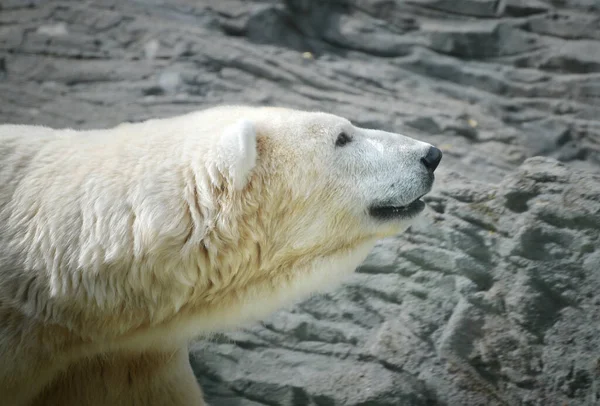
[[342, 139]]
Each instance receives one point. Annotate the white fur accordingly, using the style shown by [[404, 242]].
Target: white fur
[[118, 246], [236, 154]]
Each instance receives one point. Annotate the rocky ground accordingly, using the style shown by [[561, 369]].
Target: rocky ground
[[493, 299]]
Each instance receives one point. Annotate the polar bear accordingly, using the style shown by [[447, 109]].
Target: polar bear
[[119, 246]]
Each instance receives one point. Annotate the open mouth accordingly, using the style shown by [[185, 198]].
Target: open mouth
[[410, 210]]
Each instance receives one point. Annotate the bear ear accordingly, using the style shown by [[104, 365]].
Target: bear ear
[[236, 152]]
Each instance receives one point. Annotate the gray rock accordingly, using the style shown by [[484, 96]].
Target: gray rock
[[476, 8], [479, 39], [492, 298], [479, 323], [169, 82], [55, 30]]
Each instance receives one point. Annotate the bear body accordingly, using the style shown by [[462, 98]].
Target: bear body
[[119, 246]]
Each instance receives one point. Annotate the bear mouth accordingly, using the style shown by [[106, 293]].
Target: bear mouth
[[387, 212]]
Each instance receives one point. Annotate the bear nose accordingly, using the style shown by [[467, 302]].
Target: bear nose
[[432, 159]]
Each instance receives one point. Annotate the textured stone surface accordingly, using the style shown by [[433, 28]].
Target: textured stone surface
[[492, 299]]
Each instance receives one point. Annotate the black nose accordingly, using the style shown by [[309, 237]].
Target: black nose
[[432, 159]]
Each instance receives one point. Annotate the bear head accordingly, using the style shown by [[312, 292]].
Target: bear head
[[300, 198]]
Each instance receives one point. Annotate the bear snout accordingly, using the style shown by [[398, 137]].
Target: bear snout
[[432, 159]]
